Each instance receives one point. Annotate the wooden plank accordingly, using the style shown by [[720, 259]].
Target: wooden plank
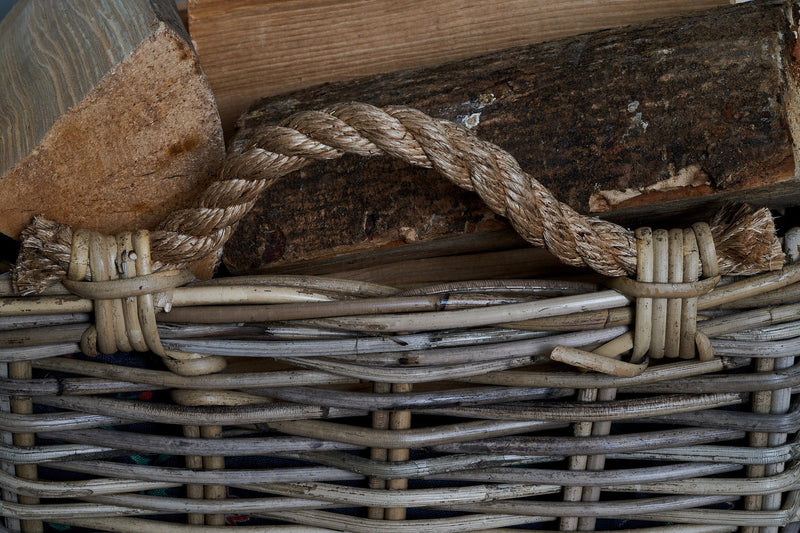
[[674, 117], [517, 263], [335, 265], [109, 122], [254, 48]]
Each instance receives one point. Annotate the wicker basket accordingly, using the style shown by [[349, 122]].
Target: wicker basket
[[311, 404]]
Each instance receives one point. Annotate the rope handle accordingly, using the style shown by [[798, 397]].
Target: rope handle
[[744, 239]]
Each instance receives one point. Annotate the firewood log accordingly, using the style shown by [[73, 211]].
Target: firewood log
[[669, 118], [107, 120]]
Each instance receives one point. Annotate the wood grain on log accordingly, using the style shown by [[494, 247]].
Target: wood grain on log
[[645, 121], [108, 121], [253, 48]]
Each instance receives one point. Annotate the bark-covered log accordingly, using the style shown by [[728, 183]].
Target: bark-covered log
[[636, 123], [252, 48]]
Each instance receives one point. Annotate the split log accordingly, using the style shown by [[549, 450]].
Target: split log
[[109, 121], [252, 48], [666, 118]]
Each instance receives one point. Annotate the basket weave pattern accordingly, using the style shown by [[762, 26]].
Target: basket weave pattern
[[313, 404]]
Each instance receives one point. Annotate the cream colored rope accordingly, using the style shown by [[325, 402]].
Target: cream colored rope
[[745, 239]]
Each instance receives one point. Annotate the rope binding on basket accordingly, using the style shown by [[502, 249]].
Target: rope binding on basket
[[736, 241], [126, 296], [666, 289]]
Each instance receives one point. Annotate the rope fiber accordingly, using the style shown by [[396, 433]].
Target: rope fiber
[[745, 238]]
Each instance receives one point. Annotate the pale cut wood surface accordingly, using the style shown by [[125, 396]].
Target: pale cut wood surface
[[107, 120], [50, 83], [255, 48]]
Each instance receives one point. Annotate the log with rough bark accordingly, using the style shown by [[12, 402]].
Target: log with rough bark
[[666, 118], [253, 48], [108, 121]]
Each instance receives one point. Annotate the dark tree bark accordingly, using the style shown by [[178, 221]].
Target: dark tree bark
[[672, 117]]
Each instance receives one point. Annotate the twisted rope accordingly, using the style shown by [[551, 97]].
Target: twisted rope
[[745, 239]]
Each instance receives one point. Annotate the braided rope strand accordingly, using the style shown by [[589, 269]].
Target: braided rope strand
[[745, 238]]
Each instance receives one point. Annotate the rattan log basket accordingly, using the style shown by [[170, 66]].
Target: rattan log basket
[[136, 399]]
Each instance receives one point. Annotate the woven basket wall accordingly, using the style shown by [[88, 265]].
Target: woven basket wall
[[272, 404], [441, 429]]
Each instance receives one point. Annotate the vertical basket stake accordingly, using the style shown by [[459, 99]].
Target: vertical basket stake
[[578, 462], [213, 492], [194, 462], [197, 491], [398, 420], [8, 467], [380, 420], [24, 405], [585, 429], [775, 402]]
